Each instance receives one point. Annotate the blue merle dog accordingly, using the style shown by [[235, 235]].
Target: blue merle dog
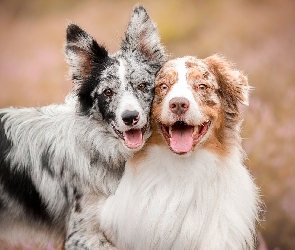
[[59, 162]]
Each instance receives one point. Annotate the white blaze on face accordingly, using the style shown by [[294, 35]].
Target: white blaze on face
[[122, 73], [182, 89], [133, 136], [182, 130], [128, 100]]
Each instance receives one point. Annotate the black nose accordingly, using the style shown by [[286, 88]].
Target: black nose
[[130, 118], [179, 105]]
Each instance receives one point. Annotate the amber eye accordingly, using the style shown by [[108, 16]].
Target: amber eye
[[108, 92], [141, 86], [202, 87]]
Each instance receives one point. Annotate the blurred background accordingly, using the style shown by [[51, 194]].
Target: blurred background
[[258, 35]]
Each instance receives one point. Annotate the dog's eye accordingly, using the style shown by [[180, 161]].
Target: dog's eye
[[163, 86], [202, 87], [108, 92], [141, 86]]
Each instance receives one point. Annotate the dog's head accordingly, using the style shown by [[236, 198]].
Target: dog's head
[[196, 103], [117, 90]]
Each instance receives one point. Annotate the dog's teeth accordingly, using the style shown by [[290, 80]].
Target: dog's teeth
[[196, 129], [170, 130]]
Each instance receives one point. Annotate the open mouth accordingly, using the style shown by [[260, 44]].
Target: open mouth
[[182, 137], [132, 138]]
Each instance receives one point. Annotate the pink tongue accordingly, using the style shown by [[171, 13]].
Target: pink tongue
[[181, 139], [133, 138]]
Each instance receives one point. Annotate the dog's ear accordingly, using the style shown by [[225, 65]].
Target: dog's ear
[[82, 53], [142, 36], [233, 84]]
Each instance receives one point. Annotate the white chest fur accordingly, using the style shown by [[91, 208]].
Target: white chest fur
[[171, 202]]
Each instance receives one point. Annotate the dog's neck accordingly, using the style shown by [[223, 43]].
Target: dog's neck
[[169, 201]]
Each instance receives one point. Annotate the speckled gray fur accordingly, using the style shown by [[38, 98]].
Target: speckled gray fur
[[59, 162]]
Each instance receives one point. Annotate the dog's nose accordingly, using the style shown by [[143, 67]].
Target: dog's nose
[[179, 105], [130, 118]]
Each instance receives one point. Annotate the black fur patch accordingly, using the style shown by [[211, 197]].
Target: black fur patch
[[66, 192], [87, 65], [103, 105], [1, 204], [18, 184], [77, 197], [46, 164], [86, 88]]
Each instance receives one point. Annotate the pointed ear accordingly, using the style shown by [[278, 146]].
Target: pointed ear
[[82, 53], [233, 84], [142, 36]]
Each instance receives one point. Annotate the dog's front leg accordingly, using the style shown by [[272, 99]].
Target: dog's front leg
[[83, 226]]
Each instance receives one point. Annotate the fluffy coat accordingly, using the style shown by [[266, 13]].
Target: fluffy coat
[[57, 162], [188, 187]]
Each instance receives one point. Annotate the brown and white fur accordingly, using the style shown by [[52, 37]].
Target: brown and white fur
[[188, 187]]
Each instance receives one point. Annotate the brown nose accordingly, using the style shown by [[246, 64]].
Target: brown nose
[[179, 105]]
